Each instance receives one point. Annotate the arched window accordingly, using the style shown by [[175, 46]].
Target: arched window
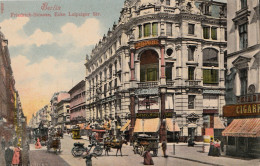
[[210, 57], [149, 66]]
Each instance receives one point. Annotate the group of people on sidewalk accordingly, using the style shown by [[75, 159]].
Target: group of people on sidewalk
[[214, 149], [14, 156]]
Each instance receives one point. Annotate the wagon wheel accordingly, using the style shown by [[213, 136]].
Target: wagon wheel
[[98, 151]]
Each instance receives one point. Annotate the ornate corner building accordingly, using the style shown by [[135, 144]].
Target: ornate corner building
[[163, 63]]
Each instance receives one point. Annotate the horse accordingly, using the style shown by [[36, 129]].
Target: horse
[[115, 144]]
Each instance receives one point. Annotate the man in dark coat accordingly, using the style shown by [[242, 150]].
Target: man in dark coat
[[164, 148], [148, 158], [3, 143], [211, 148], [8, 156]]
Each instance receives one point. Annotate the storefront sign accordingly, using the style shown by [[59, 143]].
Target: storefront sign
[[146, 43], [147, 115], [241, 110], [169, 114], [150, 91], [211, 91]]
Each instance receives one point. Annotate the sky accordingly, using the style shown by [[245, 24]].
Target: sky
[[48, 53]]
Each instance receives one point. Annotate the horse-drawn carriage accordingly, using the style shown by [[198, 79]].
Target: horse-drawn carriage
[[54, 143], [143, 143], [42, 133]]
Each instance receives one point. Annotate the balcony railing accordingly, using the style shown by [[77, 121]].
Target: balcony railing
[[250, 98], [193, 83], [147, 84], [170, 83]]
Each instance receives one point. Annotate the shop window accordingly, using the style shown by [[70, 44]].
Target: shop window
[[243, 4], [149, 66], [210, 76], [243, 36], [191, 101], [147, 30], [191, 50], [191, 73], [243, 74], [140, 30], [168, 29], [168, 72], [210, 57], [206, 32], [213, 33], [155, 29], [191, 29]]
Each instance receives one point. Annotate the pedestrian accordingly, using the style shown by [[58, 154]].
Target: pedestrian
[[190, 141], [16, 156], [164, 148], [211, 148], [217, 148], [88, 158], [177, 138], [3, 143], [38, 144], [148, 158], [8, 155]]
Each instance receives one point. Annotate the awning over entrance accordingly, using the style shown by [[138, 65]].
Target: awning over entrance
[[147, 125], [68, 126], [218, 124], [125, 126], [243, 128], [170, 126]]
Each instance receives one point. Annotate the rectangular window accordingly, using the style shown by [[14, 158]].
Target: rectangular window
[[191, 73], [168, 29], [140, 30], [191, 101], [214, 33], [225, 34], [191, 29], [243, 36], [243, 81], [206, 32], [147, 30], [168, 72], [243, 3], [210, 76], [168, 2], [191, 51], [142, 75], [155, 29]]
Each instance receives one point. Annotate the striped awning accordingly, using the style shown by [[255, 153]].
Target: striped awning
[[243, 128], [125, 126], [147, 125], [218, 124], [170, 126]]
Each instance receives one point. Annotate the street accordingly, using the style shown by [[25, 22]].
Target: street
[[184, 156]]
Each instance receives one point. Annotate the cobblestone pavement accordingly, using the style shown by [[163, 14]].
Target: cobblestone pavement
[[183, 156]]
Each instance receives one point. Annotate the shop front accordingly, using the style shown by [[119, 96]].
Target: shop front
[[243, 131]]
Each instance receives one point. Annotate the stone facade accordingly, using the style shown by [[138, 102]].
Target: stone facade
[[163, 57]]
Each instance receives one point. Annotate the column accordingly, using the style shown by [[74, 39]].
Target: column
[[162, 63], [132, 110], [163, 132], [132, 67]]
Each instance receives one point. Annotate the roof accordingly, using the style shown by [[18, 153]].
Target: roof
[[79, 85], [243, 128]]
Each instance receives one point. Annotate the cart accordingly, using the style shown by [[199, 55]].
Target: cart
[[54, 143], [144, 143], [75, 133], [42, 133]]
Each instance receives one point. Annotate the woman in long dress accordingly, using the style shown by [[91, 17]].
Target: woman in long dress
[[38, 144], [211, 148], [16, 156]]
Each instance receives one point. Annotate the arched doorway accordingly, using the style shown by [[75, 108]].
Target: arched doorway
[[149, 66]]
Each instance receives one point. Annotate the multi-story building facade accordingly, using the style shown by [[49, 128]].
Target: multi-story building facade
[[163, 63], [78, 103], [243, 78], [56, 98], [7, 91], [63, 113]]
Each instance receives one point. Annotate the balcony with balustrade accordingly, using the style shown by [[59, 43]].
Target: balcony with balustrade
[[193, 83], [148, 84]]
